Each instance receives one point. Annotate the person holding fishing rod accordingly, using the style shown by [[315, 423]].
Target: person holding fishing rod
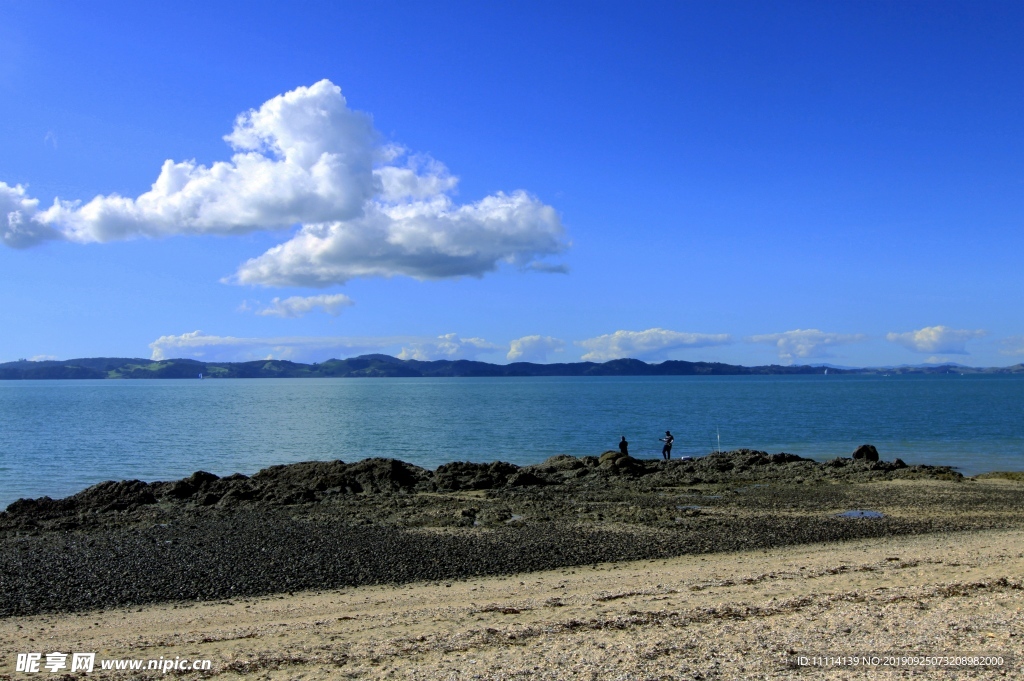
[[666, 451]]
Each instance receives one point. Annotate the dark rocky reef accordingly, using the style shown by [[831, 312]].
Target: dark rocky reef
[[328, 524], [320, 481]]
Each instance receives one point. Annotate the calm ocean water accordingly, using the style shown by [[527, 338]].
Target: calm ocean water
[[57, 437]]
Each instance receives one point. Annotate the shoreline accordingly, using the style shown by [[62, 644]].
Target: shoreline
[[920, 464], [328, 525], [728, 566], [308, 481], [965, 472]]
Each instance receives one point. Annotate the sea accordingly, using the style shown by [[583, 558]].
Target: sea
[[58, 437]]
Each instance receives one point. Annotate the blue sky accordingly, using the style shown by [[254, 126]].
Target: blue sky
[[744, 182]]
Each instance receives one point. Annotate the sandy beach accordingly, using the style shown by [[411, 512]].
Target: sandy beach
[[719, 616]]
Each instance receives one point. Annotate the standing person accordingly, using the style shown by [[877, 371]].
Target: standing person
[[624, 446], [666, 451]]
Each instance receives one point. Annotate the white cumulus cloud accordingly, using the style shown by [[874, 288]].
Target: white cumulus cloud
[[428, 239], [448, 346], [212, 348], [533, 348], [806, 343], [299, 306], [936, 339], [19, 224], [305, 158], [649, 344]]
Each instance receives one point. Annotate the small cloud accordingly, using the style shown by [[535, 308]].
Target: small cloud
[[533, 348], [547, 268], [43, 358], [198, 345], [936, 339], [649, 344], [1013, 346], [806, 343], [299, 306], [50, 138], [448, 346]]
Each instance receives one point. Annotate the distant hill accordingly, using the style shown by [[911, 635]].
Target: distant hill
[[385, 366]]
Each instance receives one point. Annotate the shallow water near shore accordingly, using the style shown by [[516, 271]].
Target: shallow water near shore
[[57, 437]]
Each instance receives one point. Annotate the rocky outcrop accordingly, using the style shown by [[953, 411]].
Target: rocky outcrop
[[320, 481], [865, 452], [106, 496], [452, 477]]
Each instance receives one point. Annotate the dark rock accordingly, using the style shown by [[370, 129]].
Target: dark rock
[[866, 453], [723, 461], [186, 487], [43, 506], [110, 496], [369, 475], [452, 477], [561, 463], [756, 459], [306, 473], [202, 478], [627, 465], [386, 475], [178, 489], [562, 468], [783, 457], [525, 478]]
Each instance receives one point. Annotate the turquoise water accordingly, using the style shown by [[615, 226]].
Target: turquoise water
[[57, 437]]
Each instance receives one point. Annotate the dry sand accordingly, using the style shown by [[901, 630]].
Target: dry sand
[[718, 616]]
